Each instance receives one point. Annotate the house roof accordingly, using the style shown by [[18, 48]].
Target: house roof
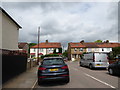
[[77, 45], [48, 45], [1, 9], [110, 45], [94, 45], [21, 45]]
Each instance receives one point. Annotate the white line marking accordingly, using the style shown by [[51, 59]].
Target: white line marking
[[34, 84], [99, 80]]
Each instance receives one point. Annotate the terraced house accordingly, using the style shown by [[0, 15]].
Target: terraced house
[[78, 48], [45, 48]]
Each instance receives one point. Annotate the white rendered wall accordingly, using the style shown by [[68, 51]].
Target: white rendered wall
[[10, 34]]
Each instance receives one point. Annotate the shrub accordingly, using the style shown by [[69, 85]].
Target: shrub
[[49, 55]]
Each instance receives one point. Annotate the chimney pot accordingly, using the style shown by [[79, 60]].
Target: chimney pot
[[82, 41], [107, 41], [46, 41]]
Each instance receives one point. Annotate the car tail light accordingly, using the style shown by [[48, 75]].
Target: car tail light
[[64, 75], [41, 68], [64, 67], [42, 76]]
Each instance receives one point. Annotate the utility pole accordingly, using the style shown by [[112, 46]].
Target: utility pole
[[63, 49], [38, 45]]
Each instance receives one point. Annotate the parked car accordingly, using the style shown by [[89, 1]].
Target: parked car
[[114, 68], [117, 57], [65, 59], [94, 60], [53, 68]]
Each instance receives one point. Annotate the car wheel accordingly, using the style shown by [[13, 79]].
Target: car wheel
[[81, 64], [39, 82], [111, 71], [67, 81], [91, 66]]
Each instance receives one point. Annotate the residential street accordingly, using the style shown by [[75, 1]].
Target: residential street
[[60, 44], [82, 77]]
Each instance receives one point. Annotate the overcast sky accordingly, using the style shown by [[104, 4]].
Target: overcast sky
[[65, 21]]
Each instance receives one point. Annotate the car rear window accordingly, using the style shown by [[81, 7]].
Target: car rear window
[[53, 61]]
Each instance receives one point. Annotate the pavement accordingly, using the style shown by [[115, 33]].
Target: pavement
[[24, 80]]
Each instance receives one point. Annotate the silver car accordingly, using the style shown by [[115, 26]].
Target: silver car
[[95, 60]]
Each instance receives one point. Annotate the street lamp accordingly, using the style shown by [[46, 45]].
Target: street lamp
[[38, 45]]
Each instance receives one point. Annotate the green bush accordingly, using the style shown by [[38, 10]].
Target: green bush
[[49, 55], [116, 51]]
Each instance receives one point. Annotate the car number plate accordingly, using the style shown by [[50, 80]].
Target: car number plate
[[54, 69], [98, 65]]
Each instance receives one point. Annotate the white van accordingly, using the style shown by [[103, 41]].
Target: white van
[[95, 60]]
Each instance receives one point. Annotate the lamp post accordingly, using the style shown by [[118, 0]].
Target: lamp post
[[38, 46]]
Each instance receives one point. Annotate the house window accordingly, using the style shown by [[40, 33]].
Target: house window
[[34, 49], [96, 49], [102, 49], [89, 49], [108, 49], [93, 49], [81, 49], [75, 49], [41, 50], [74, 56], [49, 49]]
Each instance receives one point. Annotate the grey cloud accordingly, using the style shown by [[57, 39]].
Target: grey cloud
[[65, 22], [119, 21]]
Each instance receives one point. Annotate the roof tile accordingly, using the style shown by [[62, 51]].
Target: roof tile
[[94, 45], [48, 45]]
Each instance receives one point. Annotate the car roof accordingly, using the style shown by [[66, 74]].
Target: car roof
[[51, 57]]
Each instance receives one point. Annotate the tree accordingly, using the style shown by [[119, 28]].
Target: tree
[[98, 41], [116, 51], [65, 54], [30, 45], [60, 50], [49, 55]]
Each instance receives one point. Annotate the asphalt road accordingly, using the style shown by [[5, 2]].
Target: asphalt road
[[82, 77]]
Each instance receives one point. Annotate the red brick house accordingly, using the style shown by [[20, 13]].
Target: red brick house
[[23, 47], [78, 48]]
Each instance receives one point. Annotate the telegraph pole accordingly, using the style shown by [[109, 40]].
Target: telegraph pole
[[63, 49], [38, 45]]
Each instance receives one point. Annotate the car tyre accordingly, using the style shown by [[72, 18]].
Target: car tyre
[[39, 82], [81, 64], [67, 80], [91, 66], [111, 71]]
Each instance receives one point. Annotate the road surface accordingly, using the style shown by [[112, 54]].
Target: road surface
[[82, 77]]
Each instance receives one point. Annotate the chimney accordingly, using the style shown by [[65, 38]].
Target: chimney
[[82, 41], [107, 41], [46, 41]]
